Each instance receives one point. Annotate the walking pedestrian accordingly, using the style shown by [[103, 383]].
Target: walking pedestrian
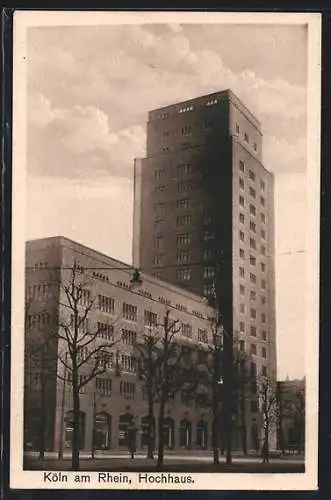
[[132, 439], [265, 452]]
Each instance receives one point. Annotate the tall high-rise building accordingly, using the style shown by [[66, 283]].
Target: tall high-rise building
[[204, 214]]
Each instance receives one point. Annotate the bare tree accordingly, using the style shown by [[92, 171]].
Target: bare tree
[[267, 395], [166, 366], [84, 354]]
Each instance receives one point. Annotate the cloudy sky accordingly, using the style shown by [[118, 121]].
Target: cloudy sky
[[89, 91]]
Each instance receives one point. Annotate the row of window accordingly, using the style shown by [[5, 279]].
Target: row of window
[[39, 291], [252, 331], [242, 291], [251, 175], [252, 313], [34, 320]]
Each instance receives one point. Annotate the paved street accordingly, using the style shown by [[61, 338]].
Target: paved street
[[176, 462]]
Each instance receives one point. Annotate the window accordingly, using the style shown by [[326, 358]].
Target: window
[[129, 337], [184, 169], [82, 353], [241, 253], [252, 295], [184, 186], [251, 175], [253, 331], [183, 239], [253, 313], [263, 267], [241, 201], [252, 209], [242, 326], [184, 220], [241, 183], [85, 296], [242, 235], [252, 277], [241, 289], [262, 200], [208, 272], [159, 173], [252, 192], [208, 289], [263, 217], [106, 331], [246, 138], [264, 352], [264, 335], [263, 300], [253, 348], [242, 345], [237, 128], [252, 243], [262, 185], [202, 336], [252, 226], [241, 166], [255, 146], [263, 250], [130, 312], [128, 363], [242, 308], [158, 242], [183, 274], [187, 130], [127, 389], [106, 304], [184, 203], [158, 225], [241, 272], [263, 284], [186, 329], [263, 317], [183, 257], [263, 234], [242, 218], [158, 258], [252, 260], [207, 254], [159, 210], [157, 275], [103, 386], [159, 191], [208, 235], [150, 318], [264, 371]]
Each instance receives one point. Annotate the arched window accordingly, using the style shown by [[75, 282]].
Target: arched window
[[102, 431], [169, 432], [185, 434], [145, 431], [125, 421], [69, 426], [202, 434]]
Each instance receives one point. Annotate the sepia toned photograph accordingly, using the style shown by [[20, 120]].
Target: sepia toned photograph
[[165, 250]]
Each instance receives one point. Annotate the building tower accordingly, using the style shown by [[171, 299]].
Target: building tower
[[204, 214]]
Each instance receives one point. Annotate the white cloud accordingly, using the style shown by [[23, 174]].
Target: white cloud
[[282, 157]]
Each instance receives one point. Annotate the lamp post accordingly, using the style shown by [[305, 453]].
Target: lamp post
[[60, 456]]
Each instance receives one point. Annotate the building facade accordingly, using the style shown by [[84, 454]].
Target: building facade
[[204, 215], [109, 402], [291, 428]]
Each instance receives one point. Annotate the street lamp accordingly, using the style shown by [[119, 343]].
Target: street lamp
[[136, 280]]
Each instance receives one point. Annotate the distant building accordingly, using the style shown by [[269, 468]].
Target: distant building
[[112, 399], [291, 428]]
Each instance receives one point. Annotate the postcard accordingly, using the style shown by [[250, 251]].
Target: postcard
[[165, 250]]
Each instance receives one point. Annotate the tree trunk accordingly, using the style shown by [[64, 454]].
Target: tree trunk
[[243, 423], [150, 445], [76, 424], [160, 453]]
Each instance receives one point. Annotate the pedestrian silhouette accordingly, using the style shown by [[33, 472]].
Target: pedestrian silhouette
[[132, 439], [265, 452]]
